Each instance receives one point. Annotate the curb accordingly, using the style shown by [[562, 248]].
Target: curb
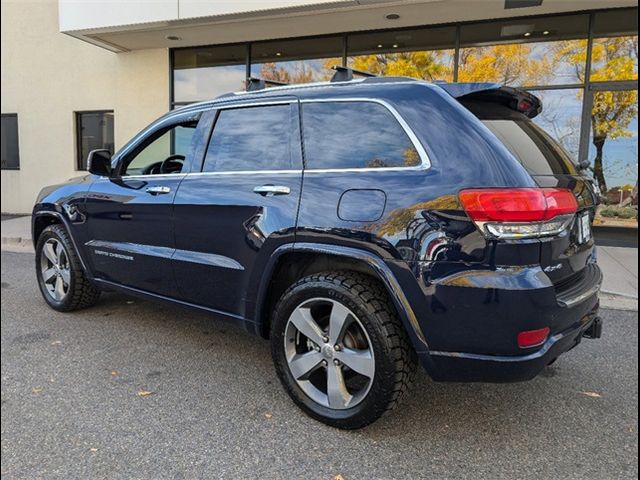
[[618, 302], [17, 244]]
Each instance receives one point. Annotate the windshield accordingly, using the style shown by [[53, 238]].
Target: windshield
[[532, 146]]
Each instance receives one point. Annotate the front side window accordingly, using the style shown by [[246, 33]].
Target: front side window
[[250, 139], [94, 130], [354, 135], [165, 153], [10, 151]]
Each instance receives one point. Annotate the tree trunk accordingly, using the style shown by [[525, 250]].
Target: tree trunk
[[598, 170], [633, 198]]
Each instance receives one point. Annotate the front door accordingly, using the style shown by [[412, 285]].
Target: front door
[[240, 207], [130, 215]]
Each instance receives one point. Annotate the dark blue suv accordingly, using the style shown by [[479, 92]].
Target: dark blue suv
[[361, 225]]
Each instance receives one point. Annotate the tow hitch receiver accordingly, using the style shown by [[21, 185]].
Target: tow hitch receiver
[[594, 330]]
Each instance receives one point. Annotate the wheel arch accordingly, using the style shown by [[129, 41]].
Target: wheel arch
[[290, 262], [42, 219]]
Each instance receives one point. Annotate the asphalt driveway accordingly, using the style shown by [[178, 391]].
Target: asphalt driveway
[[131, 389]]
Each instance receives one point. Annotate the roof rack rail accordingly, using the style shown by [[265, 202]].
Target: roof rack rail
[[345, 74], [254, 83]]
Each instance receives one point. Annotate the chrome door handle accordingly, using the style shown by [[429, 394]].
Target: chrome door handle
[[158, 190], [265, 190]]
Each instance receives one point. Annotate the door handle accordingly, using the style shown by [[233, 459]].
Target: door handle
[[265, 190], [158, 190]]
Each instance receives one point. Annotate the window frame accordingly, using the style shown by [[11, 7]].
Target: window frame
[[425, 162], [295, 142], [81, 162], [14, 115]]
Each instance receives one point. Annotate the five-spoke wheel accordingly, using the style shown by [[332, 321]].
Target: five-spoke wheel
[[61, 277], [329, 353], [340, 349], [54, 268]]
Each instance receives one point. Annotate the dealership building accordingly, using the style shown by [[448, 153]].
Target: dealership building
[[79, 75]]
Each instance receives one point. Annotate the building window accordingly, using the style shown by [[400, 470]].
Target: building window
[[525, 52], [203, 73], [421, 53], [94, 130], [296, 61], [10, 149]]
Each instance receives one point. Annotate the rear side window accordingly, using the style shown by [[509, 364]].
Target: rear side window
[[340, 135], [251, 138]]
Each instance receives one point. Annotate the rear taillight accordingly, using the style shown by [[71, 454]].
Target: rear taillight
[[512, 213]]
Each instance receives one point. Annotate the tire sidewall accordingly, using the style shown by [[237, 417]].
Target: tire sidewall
[[381, 392], [49, 233]]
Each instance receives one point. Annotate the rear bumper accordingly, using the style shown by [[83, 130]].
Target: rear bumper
[[473, 320], [469, 367]]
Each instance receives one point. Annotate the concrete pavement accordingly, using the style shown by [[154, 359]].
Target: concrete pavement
[[619, 264], [73, 405]]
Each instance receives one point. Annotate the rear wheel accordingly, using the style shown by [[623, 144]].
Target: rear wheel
[[340, 349], [61, 279]]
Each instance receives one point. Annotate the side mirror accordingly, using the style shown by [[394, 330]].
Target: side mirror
[[583, 164], [99, 162]]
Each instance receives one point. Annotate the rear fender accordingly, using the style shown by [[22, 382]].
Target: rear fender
[[377, 264]]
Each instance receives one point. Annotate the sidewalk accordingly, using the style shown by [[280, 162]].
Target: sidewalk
[[619, 264]]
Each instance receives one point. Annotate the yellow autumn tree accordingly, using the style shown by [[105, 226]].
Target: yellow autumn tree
[[613, 111], [505, 64], [426, 65]]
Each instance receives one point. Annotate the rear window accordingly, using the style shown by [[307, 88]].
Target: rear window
[[536, 150]]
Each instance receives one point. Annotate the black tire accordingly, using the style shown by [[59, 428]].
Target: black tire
[[395, 359], [81, 293]]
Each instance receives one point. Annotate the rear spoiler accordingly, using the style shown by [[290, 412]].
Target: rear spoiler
[[513, 98]]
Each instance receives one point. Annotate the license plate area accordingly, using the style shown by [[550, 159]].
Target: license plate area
[[584, 228]]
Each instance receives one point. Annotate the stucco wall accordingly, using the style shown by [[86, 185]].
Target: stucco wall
[[47, 76]]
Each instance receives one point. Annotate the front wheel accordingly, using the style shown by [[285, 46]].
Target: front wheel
[[61, 278], [340, 349]]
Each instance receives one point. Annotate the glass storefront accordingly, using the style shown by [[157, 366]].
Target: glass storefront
[[593, 116]]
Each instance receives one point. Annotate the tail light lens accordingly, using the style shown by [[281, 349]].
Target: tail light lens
[[511, 213]]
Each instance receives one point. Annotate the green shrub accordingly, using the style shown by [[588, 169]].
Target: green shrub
[[619, 212]]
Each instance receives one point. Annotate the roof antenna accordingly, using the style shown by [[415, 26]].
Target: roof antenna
[[346, 74]]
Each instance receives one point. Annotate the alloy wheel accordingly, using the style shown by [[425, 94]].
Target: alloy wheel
[[55, 269], [329, 353]]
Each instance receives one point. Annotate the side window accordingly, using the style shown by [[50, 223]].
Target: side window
[[165, 153], [354, 135], [251, 138]]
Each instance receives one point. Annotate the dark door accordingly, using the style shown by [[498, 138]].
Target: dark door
[[240, 207], [130, 221]]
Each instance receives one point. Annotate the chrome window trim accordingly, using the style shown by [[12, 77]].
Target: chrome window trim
[[424, 157], [246, 172], [245, 104], [425, 162], [157, 175]]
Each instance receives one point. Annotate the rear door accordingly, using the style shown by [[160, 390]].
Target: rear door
[[242, 204], [563, 257]]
